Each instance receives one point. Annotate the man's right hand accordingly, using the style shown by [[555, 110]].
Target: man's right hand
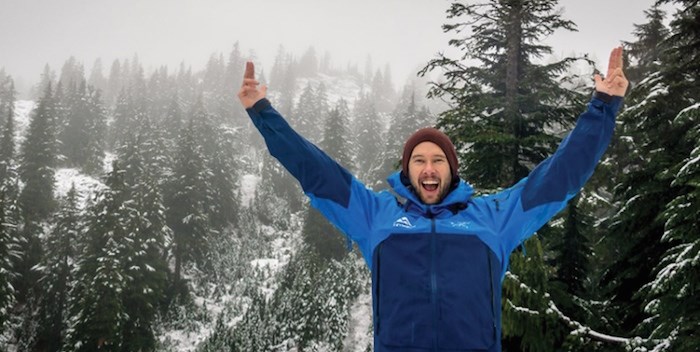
[[249, 93]]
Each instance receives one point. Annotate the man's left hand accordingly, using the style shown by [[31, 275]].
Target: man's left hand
[[615, 82]]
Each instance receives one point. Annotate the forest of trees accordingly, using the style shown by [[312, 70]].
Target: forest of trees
[[170, 225]]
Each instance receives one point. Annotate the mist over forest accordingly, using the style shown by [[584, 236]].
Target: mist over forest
[[141, 211]]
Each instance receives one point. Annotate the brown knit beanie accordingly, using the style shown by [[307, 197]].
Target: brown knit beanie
[[434, 135]]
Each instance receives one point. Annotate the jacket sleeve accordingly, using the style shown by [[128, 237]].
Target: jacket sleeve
[[516, 213], [339, 196]]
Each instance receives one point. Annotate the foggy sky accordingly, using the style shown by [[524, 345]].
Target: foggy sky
[[404, 33]]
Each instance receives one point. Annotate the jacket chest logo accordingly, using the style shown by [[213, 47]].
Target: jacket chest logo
[[462, 225], [404, 222]]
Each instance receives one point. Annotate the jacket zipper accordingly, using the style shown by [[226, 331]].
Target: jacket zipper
[[433, 279], [493, 298], [378, 286]]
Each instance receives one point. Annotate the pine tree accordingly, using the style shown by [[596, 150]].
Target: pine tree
[[97, 78], [670, 297], [308, 64], [36, 199], [283, 80], [309, 114], [9, 212], [571, 249], [501, 117], [232, 78], [114, 83], [528, 323], [127, 114], [9, 221], [186, 202], [38, 160], [501, 107], [367, 133], [96, 129], [172, 122], [47, 77], [186, 85], [7, 96], [217, 146], [336, 135], [57, 273], [74, 135], [635, 230], [97, 310], [215, 96], [574, 249], [136, 85], [72, 72], [144, 265], [161, 89], [7, 141], [649, 45]]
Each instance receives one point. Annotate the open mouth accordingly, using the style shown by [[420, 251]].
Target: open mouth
[[430, 185]]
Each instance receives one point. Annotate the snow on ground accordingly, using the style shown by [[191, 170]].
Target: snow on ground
[[248, 185], [107, 163], [360, 324], [65, 177], [23, 112], [85, 185]]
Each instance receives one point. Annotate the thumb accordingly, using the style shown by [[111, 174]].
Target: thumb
[[598, 80], [263, 89]]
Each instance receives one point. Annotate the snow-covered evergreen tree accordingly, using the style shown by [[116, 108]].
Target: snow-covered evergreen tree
[[38, 159], [670, 298], [97, 309], [36, 200], [57, 270], [9, 220], [218, 148], [186, 199], [7, 117], [504, 117], [367, 132]]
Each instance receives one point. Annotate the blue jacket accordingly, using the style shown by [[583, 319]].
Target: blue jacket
[[437, 270]]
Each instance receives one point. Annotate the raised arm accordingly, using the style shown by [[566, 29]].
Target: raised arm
[[338, 195], [516, 213]]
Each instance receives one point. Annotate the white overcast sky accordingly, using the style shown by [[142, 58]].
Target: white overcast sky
[[404, 33]]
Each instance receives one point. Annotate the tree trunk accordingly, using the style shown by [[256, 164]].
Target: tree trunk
[[513, 48]]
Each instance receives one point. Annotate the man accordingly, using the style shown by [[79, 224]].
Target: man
[[438, 259]]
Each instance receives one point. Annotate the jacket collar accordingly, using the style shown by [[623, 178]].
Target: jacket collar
[[458, 196]]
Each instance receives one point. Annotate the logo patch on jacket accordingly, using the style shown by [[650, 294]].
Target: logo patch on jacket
[[464, 225], [404, 222]]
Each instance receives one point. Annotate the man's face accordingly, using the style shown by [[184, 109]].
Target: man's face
[[429, 172]]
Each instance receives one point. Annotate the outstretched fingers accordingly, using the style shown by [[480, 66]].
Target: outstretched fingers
[[250, 91], [615, 61], [249, 70]]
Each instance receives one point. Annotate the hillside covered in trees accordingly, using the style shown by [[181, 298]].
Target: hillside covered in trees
[[140, 211]]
